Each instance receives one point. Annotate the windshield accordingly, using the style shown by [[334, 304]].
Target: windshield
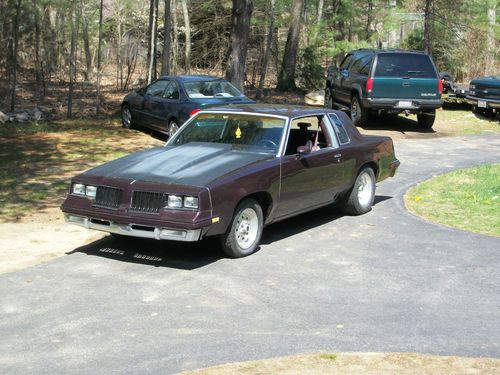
[[404, 65], [252, 133], [211, 89]]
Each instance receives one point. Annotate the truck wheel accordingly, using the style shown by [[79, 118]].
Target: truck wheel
[[243, 236], [426, 119], [329, 99], [359, 115], [360, 198]]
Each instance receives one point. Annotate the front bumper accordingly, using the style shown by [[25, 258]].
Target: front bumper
[[393, 104], [486, 103], [136, 230]]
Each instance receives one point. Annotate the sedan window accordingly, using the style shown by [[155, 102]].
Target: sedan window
[[211, 89], [339, 129], [304, 129], [171, 91], [157, 88]]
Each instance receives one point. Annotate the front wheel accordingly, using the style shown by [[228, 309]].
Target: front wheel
[[426, 119], [243, 236], [329, 99], [360, 199], [126, 117], [172, 128]]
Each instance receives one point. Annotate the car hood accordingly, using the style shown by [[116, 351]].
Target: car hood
[[492, 81], [194, 164]]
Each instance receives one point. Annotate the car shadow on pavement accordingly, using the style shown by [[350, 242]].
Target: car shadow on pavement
[[171, 254], [193, 255], [306, 221], [396, 123]]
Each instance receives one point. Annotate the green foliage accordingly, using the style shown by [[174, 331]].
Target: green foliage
[[310, 74]]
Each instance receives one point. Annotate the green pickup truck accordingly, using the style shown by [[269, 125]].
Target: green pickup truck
[[370, 82]]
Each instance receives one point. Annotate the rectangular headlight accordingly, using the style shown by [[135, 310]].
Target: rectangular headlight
[[90, 191], [174, 201], [78, 189], [191, 202]]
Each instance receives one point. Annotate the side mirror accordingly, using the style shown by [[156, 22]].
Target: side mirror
[[304, 150], [332, 69]]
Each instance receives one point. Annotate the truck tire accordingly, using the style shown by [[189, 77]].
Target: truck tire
[[359, 115], [329, 99], [426, 119]]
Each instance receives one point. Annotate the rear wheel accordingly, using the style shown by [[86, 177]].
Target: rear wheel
[[172, 128], [360, 198], [243, 236], [126, 117], [359, 115], [426, 119]]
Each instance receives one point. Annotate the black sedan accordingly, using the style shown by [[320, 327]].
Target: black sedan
[[167, 103]]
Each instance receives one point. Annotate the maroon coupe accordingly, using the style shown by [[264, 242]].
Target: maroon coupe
[[230, 171]]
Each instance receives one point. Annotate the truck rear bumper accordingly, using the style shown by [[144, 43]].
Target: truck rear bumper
[[483, 103], [401, 104]]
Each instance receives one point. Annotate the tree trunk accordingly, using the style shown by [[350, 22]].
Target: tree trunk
[[38, 64], [267, 52], [427, 27], [369, 20], [187, 25], [319, 15], [286, 78], [165, 63], [241, 15], [13, 55], [99, 44], [490, 42], [153, 12], [72, 69], [86, 47], [175, 39]]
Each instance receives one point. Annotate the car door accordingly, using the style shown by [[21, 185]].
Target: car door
[[340, 93], [308, 180], [164, 108], [152, 103]]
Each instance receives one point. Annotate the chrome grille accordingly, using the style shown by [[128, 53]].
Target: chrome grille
[[148, 201], [108, 197]]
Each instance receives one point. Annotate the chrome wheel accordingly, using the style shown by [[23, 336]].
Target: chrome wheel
[[126, 117], [247, 228], [172, 128], [365, 189]]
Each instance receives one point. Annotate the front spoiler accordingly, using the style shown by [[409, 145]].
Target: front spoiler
[[135, 230]]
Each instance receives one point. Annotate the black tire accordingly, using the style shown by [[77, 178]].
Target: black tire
[[173, 127], [485, 112], [234, 241], [329, 99], [358, 200], [359, 115], [126, 115], [426, 119]]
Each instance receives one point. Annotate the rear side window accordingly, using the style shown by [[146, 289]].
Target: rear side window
[[346, 62], [339, 129], [404, 65], [362, 65]]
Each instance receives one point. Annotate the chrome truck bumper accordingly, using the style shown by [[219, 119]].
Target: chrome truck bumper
[[135, 230]]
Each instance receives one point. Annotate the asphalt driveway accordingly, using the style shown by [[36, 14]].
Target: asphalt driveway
[[385, 281]]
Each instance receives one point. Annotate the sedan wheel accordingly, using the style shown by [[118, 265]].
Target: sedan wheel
[[172, 128], [126, 117], [244, 234], [360, 198]]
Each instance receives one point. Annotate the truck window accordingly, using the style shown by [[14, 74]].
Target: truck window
[[404, 65], [361, 65], [345, 63]]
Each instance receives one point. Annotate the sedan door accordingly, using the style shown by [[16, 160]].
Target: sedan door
[[152, 102], [309, 180]]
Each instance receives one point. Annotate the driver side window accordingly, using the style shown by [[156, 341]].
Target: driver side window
[[157, 88], [305, 129]]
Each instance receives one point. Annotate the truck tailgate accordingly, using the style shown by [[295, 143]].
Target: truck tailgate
[[405, 88]]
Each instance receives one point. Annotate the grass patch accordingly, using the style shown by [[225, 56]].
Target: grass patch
[[38, 160], [467, 199], [328, 356], [462, 121]]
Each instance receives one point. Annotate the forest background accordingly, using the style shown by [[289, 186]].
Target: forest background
[[60, 52]]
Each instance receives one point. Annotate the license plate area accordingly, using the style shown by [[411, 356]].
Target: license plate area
[[481, 104], [404, 104]]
